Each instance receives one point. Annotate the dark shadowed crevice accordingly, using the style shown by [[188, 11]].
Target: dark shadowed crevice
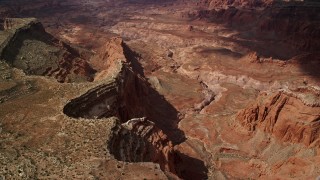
[[189, 167]]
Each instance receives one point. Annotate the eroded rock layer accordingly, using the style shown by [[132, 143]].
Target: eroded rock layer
[[288, 116], [138, 140], [205, 61], [124, 95], [127, 94]]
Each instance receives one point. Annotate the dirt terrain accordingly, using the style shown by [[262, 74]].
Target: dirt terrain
[[171, 89]]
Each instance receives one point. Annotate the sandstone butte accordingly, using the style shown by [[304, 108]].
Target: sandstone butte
[[147, 89]]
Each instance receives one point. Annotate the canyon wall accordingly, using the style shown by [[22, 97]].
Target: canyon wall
[[124, 93], [139, 140], [132, 97], [202, 73]]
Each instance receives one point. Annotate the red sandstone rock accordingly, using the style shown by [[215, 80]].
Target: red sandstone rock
[[228, 151], [139, 140], [107, 58], [287, 116], [107, 54]]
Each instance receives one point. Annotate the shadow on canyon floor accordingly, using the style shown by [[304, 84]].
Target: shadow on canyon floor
[[158, 109], [290, 30], [310, 65], [206, 51], [190, 168], [165, 116]]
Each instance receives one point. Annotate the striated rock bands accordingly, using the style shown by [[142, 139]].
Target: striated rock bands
[[121, 93], [138, 140], [125, 94], [201, 75], [284, 115], [98, 102]]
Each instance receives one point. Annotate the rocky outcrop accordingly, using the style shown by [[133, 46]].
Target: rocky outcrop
[[98, 102], [29, 47], [123, 92], [291, 116], [120, 96], [10, 23], [139, 140], [106, 58]]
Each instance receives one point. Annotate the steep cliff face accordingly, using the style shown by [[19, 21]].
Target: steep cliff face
[[289, 116], [104, 60], [27, 46], [122, 96], [293, 23], [125, 94], [107, 57], [139, 140]]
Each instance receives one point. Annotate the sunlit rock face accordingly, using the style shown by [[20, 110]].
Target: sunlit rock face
[[287, 115]]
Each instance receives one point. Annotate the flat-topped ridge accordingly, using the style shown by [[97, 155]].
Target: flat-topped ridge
[[17, 23]]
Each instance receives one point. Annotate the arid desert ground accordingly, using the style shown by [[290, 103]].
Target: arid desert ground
[[167, 89]]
